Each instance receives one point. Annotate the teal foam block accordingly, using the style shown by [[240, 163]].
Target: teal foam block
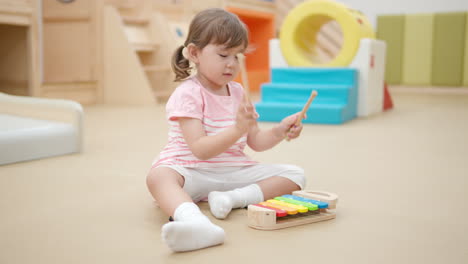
[[324, 76], [335, 103]]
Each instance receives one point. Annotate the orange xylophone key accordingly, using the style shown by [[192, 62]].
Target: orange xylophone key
[[279, 212], [289, 210]]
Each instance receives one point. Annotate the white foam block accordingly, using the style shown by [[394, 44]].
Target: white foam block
[[24, 139], [370, 62], [276, 56], [34, 128]]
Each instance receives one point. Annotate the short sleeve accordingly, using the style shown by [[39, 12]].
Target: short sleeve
[[186, 101]]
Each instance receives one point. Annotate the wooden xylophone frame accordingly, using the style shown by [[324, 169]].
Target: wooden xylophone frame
[[265, 219]]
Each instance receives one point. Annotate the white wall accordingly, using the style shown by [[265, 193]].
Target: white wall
[[373, 8]]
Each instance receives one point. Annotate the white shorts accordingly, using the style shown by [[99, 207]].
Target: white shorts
[[199, 182]]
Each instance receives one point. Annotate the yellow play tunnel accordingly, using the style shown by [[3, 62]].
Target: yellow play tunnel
[[321, 33]]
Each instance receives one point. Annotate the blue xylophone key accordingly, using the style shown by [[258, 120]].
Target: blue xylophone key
[[321, 205]]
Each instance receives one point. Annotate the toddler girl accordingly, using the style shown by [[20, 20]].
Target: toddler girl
[[210, 123]]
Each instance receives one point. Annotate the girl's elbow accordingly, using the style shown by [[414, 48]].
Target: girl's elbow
[[256, 148], [201, 155], [199, 152]]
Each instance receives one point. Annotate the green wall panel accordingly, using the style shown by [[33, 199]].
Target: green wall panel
[[448, 49], [417, 49], [390, 28], [465, 67]]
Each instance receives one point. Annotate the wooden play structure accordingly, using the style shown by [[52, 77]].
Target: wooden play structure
[[106, 52], [112, 51], [20, 47]]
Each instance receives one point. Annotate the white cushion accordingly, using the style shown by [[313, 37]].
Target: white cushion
[[23, 138]]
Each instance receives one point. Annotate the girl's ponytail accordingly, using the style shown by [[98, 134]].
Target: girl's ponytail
[[180, 65]]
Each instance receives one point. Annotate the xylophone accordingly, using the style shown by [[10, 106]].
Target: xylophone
[[302, 207]]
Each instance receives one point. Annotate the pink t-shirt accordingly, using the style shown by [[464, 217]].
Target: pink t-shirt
[[191, 99]]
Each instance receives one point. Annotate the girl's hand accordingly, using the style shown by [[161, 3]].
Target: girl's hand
[[246, 116], [288, 128]]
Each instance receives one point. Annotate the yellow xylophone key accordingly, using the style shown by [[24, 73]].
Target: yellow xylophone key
[[299, 208], [289, 210]]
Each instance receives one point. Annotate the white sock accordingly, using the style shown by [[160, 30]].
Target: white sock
[[221, 203], [191, 230]]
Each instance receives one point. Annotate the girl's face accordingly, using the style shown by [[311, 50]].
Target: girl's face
[[217, 65]]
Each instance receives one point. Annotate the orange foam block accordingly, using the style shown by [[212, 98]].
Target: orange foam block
[[388, 103], [261, 27]]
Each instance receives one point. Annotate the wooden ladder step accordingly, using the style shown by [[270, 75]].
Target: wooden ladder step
[[144, 46], [135, 20], [121, 4], [16, 8], [157, 68], [139, 37], [162, 95]]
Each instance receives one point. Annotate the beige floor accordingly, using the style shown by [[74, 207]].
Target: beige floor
[[402, 178]]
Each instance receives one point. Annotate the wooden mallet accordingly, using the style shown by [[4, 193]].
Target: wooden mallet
[[245, 81], [304, 110]]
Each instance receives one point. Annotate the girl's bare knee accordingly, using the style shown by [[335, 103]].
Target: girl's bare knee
[[152, 178], [162, 176]]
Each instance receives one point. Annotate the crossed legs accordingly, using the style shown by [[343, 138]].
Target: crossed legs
[[191, 229]]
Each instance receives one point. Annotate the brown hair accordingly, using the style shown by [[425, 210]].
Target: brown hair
[[211, 26]]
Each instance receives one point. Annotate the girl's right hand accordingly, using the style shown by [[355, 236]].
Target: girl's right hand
[[246, 116]]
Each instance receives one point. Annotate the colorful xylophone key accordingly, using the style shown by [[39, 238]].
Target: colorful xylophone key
[[291, 204], [299, 208], [310, 206], [288, 210], [321, 205], [279, 212]]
